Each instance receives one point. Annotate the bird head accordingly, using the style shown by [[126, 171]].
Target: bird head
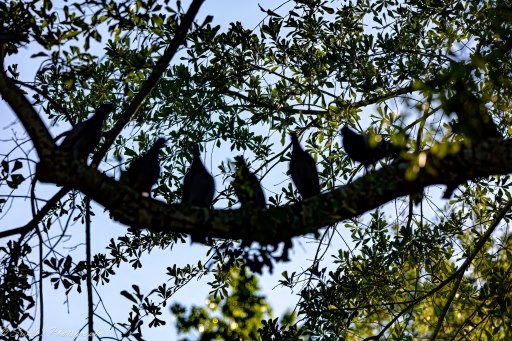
[[293, 136], [103, 110], [155, 149], [240, 163], [346, 131], [160, 142], [195, 151], [295, 140]]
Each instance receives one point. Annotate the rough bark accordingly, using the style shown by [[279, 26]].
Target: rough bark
[[279, 223]]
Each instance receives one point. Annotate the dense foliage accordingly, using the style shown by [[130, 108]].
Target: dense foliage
[[432, 76]]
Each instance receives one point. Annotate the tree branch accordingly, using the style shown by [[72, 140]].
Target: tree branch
[[490, 157], [447, 305], [150, 83], [290, 110]]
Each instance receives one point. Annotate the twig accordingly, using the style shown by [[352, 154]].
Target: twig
[[33, 124], [48, 98], [290, 110], [447, 306]]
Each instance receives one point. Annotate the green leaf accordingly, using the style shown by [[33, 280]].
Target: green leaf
[[129, 296]]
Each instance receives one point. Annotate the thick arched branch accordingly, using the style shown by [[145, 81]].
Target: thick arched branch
[[281, 223]]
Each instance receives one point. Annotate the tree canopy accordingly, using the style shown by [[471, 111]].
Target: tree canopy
[[419, 260]]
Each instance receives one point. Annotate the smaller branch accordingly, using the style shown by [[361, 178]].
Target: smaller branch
[[48, 98], [150, 83], [290, 110], [277, 107], [447, 305], [41, 291], [374, 99], [468, 319]]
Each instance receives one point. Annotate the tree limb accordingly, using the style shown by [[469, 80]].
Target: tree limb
[[290, 110], [150, 83], [453, 292], [88, 262], [490, 157]]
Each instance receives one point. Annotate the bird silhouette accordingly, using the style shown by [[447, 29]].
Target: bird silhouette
[[198, 188], [450, 188], [144, 171], [474, 121], [247, 187], [303, 170], [198, 184], [85, 136], [363, 149]]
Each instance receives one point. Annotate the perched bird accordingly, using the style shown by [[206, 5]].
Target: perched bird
[[85, 136], [247, 187], [198, 185], [198, 188], [450, 188], [144, 171], [303, 170], [361, 149], [474, 121]]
